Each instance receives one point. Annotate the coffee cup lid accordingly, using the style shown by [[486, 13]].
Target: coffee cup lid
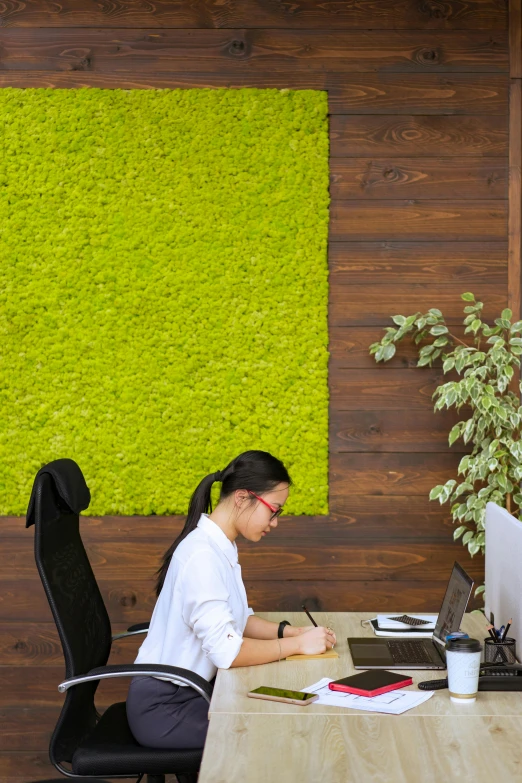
[[463, 645]]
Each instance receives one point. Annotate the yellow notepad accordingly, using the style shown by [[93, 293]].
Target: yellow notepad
[[327, 654]]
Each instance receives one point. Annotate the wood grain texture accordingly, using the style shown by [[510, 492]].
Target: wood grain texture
[[383, 432], [38, 644], [373, 305], [384, 389], [389, 474], [356, 514], [127, 601], [367, 93], [306, 14], [425, 178], [201, 50], [405, 264], [30, 604], [289, 527], [515, 39], [352, 555], [26, 728], [408, 135], [515, 198], [349, 346], [417, 220], [372, 748]]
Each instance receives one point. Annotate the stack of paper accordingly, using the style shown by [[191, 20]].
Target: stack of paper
[[392, 703]]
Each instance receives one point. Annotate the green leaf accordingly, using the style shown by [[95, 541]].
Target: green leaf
[[451, 397], [468, 297], [506, 314], [459, 531], [467, 536], [436, 492], [486, 402], [454, 434], [449, 364], [438, 329], [388, 352], [476, 324], [400, 320], [517, 326], [434, 311], [479, 590]]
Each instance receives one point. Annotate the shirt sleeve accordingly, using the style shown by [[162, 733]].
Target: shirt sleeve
[[206, 608], [250, 611]]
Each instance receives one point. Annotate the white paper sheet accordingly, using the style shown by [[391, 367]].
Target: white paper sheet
[[393, 703], [386, 624]]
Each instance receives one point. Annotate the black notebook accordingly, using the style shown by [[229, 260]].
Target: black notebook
[[371, 683]]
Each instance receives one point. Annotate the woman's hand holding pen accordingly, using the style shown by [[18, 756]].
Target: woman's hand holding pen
[[314, 641]]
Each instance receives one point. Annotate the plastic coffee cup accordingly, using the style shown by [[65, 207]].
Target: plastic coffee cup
[[463, 663]]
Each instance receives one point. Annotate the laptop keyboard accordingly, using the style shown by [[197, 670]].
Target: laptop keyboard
[[409, 652]]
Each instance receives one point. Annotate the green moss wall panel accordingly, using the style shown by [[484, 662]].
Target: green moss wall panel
[[163, 289]]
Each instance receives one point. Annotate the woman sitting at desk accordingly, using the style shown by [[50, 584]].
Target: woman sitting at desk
[[201, 620]]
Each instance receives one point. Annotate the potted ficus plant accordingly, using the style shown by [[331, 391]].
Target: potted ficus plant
[[486, 366]]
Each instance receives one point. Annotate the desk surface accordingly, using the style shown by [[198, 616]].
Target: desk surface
[[232, 685], [255, 741], [362, 749]]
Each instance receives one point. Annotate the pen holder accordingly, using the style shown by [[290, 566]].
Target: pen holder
[[500, 652]]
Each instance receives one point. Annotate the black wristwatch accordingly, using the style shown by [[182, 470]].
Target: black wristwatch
[[281, 628]]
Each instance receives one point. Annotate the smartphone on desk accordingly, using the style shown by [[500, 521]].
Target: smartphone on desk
[[280, 694]]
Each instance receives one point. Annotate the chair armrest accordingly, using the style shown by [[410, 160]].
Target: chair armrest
[[173, 673], [138, 627], [133, 630]]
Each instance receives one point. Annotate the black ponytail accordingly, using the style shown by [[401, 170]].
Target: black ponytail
[[258, 471]]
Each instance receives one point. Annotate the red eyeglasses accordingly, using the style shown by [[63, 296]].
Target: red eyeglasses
[[275, 511]]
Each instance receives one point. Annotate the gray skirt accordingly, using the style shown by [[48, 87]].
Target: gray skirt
[[164, 715]]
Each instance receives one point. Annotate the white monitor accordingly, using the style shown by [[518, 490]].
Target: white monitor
[[504, 571]]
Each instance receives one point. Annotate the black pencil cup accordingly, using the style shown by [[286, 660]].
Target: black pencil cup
[[500, 652]]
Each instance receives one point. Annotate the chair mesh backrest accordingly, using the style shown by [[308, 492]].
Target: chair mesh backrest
[[78, 609]]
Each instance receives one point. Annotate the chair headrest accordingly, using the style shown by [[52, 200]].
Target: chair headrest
[[70, 487]]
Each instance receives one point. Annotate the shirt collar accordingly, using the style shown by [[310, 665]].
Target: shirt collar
[[227, 546]]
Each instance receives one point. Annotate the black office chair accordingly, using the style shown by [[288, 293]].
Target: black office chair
[[92, 746]]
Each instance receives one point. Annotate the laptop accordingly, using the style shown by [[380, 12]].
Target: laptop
[[383, 653]]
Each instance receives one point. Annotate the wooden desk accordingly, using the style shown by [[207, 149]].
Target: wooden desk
[[251, 740]]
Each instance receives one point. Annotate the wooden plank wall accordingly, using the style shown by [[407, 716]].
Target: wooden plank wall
[[421, 164]]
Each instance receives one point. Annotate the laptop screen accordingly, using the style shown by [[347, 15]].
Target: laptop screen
[[454, 604]]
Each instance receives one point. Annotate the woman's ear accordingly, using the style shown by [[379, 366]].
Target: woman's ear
[[240, 495]]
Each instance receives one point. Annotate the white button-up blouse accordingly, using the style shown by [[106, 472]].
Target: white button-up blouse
[[200, 616]]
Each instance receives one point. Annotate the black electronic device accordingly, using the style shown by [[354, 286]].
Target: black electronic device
[[507, 677], [389, 653]]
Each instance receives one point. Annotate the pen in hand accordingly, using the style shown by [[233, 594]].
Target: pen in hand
[[309, 616], [312, 620]]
